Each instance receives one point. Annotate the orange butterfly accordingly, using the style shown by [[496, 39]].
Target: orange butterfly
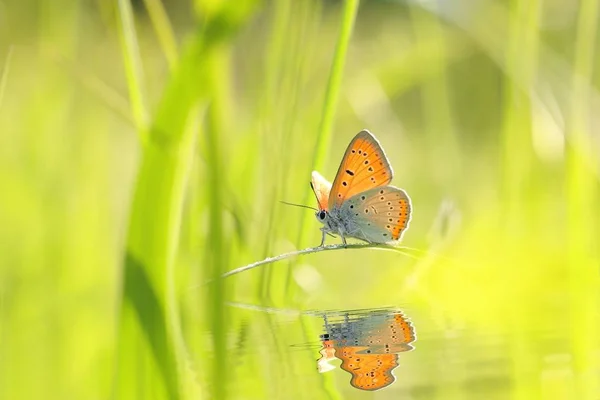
[[360, 203], [368, 348]]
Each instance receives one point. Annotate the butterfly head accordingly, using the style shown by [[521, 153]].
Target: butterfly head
[[321, 216]]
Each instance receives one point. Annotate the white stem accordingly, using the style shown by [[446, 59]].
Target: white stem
[[309, 250]]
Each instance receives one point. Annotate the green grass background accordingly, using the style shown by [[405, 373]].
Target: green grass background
[[145, 146]]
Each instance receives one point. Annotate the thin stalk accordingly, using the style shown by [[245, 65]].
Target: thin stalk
[[164, 30], [148, 328], [217, 248], [133, 66], [329, 107], [90, 82], [278, 47], [582, 215], [292, 254], [517, 165], [437, 112], [334, 83], [5, 71], [307, 15]]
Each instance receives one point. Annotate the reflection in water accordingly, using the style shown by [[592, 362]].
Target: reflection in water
[[367, 343]]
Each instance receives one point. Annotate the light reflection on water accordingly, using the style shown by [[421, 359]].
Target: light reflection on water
[[368, 342], [346, 353]]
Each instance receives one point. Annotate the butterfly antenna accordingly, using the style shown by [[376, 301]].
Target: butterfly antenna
[[298, 205]]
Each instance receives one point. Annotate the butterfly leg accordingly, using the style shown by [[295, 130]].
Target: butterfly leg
[[323, 237], [325, 232], [344, 241]]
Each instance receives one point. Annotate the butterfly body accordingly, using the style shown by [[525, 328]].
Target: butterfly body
[[340, 222], [360, 203]]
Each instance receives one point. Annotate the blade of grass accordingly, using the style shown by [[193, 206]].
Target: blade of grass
[[517, 165], [435, 99], [304, 16], [291, 254], [105, 94], [5, 71], [279, 43], [164, 31], [335, 82], [329, 107], [581, 204], [133, 66], [218, 71], [152, 242], [516, 133]]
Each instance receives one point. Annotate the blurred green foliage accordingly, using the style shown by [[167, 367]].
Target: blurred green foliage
[[145, 146]]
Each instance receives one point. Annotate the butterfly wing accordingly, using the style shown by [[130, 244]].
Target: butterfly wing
[[394, 335], [369, 371], [321, 187], [403, 329], [379, 215], [363, 167], [327, 354]]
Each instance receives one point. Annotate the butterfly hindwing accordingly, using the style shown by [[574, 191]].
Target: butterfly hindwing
[[364, 166], [379, 215], [393, 335], [403, 328]]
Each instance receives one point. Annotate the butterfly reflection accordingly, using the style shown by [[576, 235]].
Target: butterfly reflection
[[367, 343]]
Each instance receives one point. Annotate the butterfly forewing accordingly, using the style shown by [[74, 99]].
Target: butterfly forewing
[[380, 215], [321, 187], [364, 166]]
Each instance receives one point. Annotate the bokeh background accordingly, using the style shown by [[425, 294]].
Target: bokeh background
[[145, 147]]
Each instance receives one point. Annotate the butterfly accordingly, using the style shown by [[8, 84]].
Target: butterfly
[[368, 348], [360, 203]]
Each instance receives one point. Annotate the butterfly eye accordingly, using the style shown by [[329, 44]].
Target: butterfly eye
[[322, 215]]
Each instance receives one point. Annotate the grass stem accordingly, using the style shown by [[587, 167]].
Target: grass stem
[[133, 66], [309, 250], [329, 106]]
